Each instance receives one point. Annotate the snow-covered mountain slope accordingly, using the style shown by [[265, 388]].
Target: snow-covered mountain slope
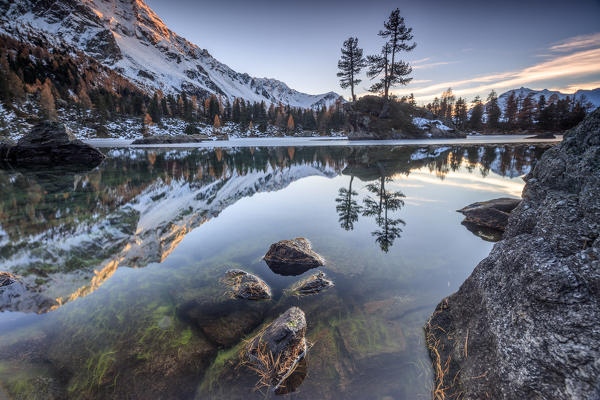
[[591, 96], [129, 37]]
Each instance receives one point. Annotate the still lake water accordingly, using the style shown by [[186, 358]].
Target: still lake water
[[122, 266]]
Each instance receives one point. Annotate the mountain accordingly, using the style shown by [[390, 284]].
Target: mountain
[[128, 37], [592, 96]]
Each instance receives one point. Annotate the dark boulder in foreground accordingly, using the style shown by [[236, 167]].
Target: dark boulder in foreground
[[492, 214], [170, 139], [275, 352], [312, 285], [51, 144], [292, 257], [243, 285], [525, 323]]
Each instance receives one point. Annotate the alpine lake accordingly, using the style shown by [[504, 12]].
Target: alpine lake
[[122, 266]]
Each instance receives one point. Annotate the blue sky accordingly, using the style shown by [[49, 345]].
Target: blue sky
[[471, 46]]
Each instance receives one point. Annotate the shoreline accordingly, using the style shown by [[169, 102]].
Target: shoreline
[[326, 141]]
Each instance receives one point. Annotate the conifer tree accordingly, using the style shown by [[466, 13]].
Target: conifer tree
[[492, 111], [511, 110], [398, 37], [525, 116], [460, 113], [476, 114], [350, 65]]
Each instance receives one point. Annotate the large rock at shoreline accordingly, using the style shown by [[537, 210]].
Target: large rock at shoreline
[[292, 257], [50, 143], [170, 139], [526, 323], [492, 214]]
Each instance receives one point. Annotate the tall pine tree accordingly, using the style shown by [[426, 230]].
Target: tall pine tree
[[398, 37], [350, 65]]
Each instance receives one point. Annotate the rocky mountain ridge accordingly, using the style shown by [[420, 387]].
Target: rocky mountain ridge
[[128, 37]]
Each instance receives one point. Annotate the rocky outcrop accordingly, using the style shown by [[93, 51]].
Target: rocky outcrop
[[525, 323], [276, 351], [50, 144], [170, 139], [312, 285], [372, 118], [292, 257], [491, 214], [243, 285]]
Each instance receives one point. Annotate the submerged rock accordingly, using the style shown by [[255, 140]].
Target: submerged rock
[[292, 257], [170, 139], [50, 143], [276, 351], [243, 285], [312, 285], [223, 323], [525, 323], [492, 214]]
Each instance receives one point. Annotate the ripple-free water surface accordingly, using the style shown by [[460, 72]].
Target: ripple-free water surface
[[122, 265]]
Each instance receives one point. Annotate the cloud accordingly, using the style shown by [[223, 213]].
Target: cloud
[[572, 88], [418, 81], [433, 64], [577, 43], [419, 61], [578, 64]]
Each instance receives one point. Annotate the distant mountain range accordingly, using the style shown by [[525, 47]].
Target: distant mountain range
[[128, 37], [591, 96]]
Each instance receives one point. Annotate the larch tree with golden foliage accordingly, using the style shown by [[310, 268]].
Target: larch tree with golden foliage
[[290, 124], [47, 104]]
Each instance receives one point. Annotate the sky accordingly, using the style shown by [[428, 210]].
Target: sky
[[470, 46]]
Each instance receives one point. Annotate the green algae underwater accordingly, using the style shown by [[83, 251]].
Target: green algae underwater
[[123, 266]]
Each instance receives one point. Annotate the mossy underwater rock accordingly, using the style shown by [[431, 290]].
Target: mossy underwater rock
[[292, 257], [314, 284], [243, 285]]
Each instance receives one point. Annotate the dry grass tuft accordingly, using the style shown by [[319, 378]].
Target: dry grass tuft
[[272, 371]]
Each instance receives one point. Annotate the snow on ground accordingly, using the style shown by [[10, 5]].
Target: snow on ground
[[424, 123]]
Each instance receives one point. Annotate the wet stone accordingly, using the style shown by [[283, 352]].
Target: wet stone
[[292, 257], [276, 351], [243, 285], [312, 285], [492, 214]]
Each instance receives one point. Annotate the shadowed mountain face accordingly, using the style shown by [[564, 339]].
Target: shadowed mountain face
[[64, 233]]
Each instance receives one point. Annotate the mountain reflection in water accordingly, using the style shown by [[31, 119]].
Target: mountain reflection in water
[[180, 218]]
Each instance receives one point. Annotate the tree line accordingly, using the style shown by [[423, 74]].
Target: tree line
[[519, 113], [66, 79]]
